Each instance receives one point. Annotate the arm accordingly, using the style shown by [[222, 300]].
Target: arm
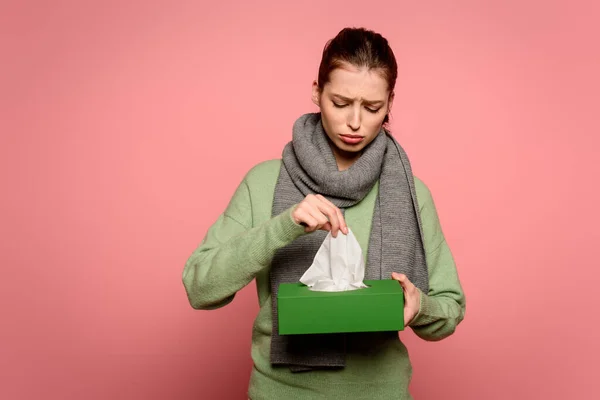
[[443, 307], [234, 251]]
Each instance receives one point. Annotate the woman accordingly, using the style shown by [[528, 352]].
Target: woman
[[341, 170]]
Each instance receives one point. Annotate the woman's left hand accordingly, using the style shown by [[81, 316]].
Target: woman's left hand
[[412, 297]]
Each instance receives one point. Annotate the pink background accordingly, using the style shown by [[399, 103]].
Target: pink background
[[126, 126]]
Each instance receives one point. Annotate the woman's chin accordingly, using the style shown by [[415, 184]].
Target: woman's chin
[[348, 152], [349, 148]]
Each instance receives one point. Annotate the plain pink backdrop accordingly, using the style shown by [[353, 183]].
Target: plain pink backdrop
[[126, 125]]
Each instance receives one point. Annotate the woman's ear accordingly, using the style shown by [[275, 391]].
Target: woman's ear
[[390, 102], [316, 94]]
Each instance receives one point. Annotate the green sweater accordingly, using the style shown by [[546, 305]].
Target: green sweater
[[239, 247]]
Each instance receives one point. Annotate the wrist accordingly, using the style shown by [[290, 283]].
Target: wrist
[[418, 307]]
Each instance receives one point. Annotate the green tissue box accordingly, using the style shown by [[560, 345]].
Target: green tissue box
[[379, 307]]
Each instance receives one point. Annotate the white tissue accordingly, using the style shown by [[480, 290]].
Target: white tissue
[[338, 266]]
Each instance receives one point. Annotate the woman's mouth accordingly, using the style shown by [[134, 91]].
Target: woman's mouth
[[352, 139]]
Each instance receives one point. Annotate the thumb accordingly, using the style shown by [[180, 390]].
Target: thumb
[[400, 278]]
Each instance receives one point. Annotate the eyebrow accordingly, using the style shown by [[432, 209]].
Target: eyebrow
[[349, 100]]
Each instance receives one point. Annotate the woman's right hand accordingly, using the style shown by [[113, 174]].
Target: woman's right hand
[[316, 212]]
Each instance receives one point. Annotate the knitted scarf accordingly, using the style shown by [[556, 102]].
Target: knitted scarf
[[395, 244]]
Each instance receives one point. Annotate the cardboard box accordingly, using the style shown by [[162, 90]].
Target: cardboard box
[[379, 307]]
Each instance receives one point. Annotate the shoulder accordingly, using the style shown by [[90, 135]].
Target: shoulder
[[265, 170], [256, 189], [424, 196]]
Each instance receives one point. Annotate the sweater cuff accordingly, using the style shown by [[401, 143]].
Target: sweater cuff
[[289, 229], [426, 310]]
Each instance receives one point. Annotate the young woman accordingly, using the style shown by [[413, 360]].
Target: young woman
[[342, 169]]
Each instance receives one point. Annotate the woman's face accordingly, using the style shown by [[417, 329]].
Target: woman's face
[[353, 106]]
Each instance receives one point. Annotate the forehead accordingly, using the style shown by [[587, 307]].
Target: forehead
[[354, 82]]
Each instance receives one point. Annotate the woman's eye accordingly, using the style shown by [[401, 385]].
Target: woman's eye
[[374, 111], [339, 105]]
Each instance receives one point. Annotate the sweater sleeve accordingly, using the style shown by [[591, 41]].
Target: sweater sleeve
[[443, 307], [234, 251]]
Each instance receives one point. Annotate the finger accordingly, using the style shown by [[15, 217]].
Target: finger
[[401, 278], [305, 218], [321, 218], [341, 219], [329, 212], [408, 287]]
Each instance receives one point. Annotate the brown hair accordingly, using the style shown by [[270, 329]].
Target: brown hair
[[361, 48]]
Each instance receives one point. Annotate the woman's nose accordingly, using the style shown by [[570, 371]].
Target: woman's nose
[[354, 119]]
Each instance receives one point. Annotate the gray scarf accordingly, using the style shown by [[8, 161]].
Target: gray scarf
[[395, 244]]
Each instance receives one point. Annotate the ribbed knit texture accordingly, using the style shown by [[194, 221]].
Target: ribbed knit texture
[[395, 245], [238, 248]]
